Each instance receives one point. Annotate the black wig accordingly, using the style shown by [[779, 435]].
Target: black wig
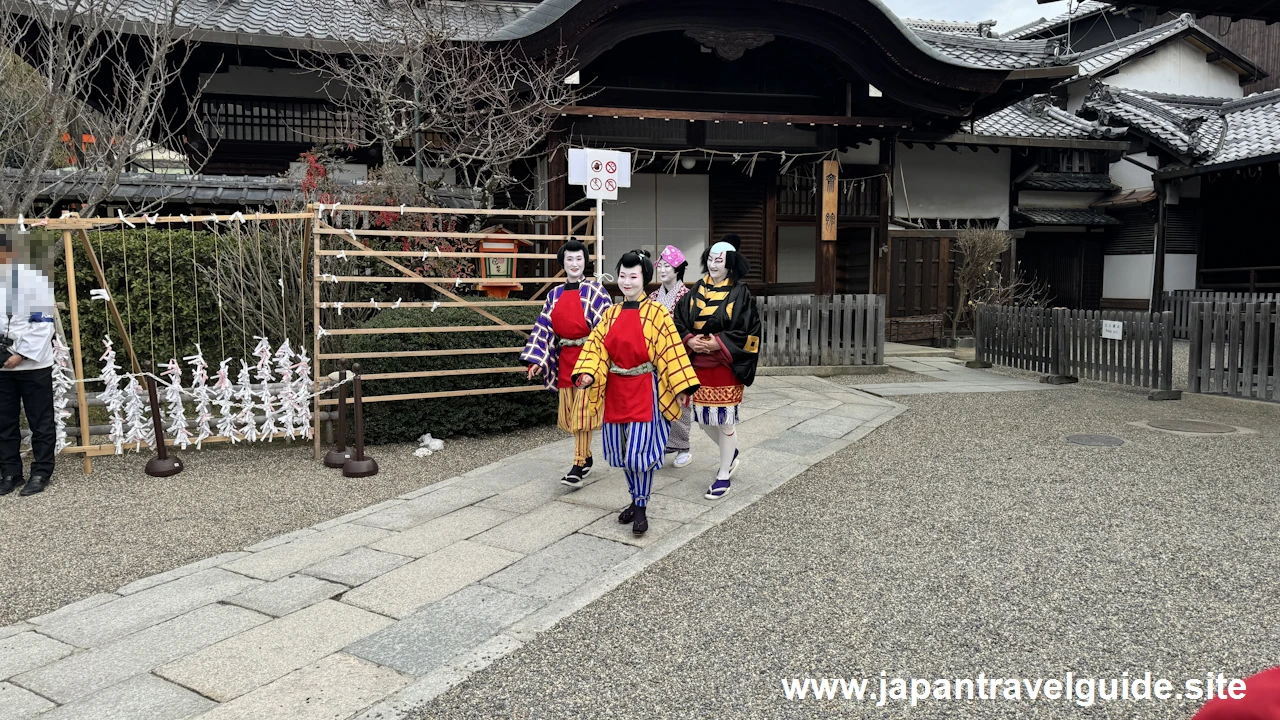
[[637, 257], [737, 263], [575, 245]]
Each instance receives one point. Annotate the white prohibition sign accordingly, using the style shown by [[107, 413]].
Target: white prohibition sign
[[595, 166], [611, 167], [595, 183], [610, 184]]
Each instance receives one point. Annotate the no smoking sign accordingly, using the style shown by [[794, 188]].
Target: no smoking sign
[[601, 173]]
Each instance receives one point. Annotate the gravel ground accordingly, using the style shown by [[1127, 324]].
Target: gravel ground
[[964, 536], [888, 376], [86, 535]]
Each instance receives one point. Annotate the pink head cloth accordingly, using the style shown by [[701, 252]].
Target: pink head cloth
[[672, 256]]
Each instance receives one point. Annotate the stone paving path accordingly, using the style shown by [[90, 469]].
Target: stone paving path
[[370, 614], [955, 376]]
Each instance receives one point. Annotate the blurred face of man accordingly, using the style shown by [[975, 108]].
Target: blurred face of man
[[717, 267], [666, 274], [575, 264], [631, 282]]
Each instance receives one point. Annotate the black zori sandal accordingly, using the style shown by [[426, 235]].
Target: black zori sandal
[[627, 515]]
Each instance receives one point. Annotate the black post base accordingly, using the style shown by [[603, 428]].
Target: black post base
[[1059, 379], [164, 466], [353, 468], [337, 457], [979, 364]]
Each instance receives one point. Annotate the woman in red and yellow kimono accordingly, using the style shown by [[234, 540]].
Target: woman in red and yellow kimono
[[636, 357]]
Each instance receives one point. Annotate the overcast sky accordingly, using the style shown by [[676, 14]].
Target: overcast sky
[[1009, 13]]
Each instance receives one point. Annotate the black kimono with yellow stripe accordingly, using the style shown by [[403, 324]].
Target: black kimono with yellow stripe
[[727, 310]]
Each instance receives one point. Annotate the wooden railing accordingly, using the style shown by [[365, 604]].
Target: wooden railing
[[811, 330], [1179, 302], [1069, 344], [1234, 349]]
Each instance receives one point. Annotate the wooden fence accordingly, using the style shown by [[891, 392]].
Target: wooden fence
[[1234, 348], [1179, 302], [1069, 344], [811, 330]]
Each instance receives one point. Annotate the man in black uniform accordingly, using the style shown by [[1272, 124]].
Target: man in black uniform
[[26, 375]]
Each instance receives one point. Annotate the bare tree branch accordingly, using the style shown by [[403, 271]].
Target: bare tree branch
[[89, 97], [979, 280], [466, 112]]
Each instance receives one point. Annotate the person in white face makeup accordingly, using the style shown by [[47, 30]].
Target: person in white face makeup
[[635, 355], [570, 312], [719, 324], [670, 271]]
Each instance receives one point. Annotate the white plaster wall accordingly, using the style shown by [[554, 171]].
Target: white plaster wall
[[941, 183], [264, 82], [1129, 276], [1057, 198], [659, 210], [1180, 68], [797, 253], [1130, 176]]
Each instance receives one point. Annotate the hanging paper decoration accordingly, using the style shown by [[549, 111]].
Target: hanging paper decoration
[[302, 389], [223, 393], [177, 413], [112, 396], [263, 373], [200, 391], [248, 425], [135, 416], [62, 384], [287, 406]]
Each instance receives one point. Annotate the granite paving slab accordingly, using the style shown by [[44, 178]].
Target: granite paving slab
[[18, 704], [333, 687], [356, 567], [88, 672], [609, 528], [289, 594], [24, 651], [401, 592], [142, 697], [281, 560], [428, 507], [443, 531], [106, 622], [242, 663], [432, 636], [539, 527], [562, 566]]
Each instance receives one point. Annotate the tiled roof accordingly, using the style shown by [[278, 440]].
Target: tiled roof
[[1062, 216], [1085, 9], [1094, 182], [1126, 198], [141, 188], [1191, 127], [1252, 128], [315, 23], [994, 53], [1100, 59], [955, 27], [1038, 117]]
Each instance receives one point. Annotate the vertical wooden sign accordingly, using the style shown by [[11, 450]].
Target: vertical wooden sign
[[830, 199]]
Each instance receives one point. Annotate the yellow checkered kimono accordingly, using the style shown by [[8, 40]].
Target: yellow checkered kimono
[[666, 352]]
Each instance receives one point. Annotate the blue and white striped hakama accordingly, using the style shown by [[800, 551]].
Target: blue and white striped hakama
[[638, 448]]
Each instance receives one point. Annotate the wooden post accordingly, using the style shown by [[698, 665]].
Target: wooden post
[[1162, 221], [315, 332], [111, 303], [77, 356]]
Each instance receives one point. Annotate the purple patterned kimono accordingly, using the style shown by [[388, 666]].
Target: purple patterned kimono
[[543, 348]]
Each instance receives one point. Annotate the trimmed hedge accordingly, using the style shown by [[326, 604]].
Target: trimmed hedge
[[171, 301], [405, 421]]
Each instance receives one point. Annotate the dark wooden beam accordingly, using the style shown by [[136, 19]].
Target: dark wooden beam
[[729, 117], [1213, 57]]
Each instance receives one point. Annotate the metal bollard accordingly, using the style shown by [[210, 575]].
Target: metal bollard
[[340, 453], [162, 465], [359, 466]]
